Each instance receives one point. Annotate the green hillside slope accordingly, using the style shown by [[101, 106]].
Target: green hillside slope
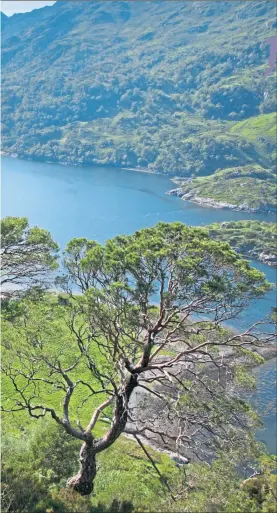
[[249, 188], [141, 84], [255, 239]]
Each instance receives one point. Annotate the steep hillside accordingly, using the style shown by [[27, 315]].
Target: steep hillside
[[144, 84]]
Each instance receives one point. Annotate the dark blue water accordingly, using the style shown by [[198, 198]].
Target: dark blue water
[[99, 203]]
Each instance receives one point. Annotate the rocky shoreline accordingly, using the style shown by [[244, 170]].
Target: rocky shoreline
[[266, 258], [263, 257], [78, 164], [210, 202]]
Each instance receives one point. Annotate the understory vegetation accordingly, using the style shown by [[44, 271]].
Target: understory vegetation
[[37, 461]]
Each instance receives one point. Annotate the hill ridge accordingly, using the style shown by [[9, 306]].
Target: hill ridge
[[154, 85]]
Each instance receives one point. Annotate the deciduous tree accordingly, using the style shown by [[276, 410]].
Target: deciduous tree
[[27, 254], [148, 327]]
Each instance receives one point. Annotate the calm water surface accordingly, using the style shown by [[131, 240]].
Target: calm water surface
[[100, 202]]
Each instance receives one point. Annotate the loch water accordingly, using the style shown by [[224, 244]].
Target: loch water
[[101, 202]]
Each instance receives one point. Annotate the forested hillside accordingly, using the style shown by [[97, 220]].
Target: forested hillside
[[143, 84]]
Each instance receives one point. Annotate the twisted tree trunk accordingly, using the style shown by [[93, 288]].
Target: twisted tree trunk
[[83, 481]]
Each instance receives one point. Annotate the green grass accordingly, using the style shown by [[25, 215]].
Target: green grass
[[47, 321], [124, 469], [256, 128], [34, 449], [251, 186]]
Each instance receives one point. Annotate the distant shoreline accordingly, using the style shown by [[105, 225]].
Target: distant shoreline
[[201, 202], [143, 170], [72, 164]]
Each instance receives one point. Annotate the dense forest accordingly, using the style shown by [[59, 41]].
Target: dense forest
[[153, 84]]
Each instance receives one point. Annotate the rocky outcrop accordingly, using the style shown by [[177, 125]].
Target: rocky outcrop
[[176, 192], [268, 259], [210, 202]]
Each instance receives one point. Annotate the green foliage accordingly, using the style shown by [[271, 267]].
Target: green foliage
[[36, 463], [248, 187], [119, 281], [32, 481], [56, 344], [28, 254], [255, 239], [219, 488], [157, 87]]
